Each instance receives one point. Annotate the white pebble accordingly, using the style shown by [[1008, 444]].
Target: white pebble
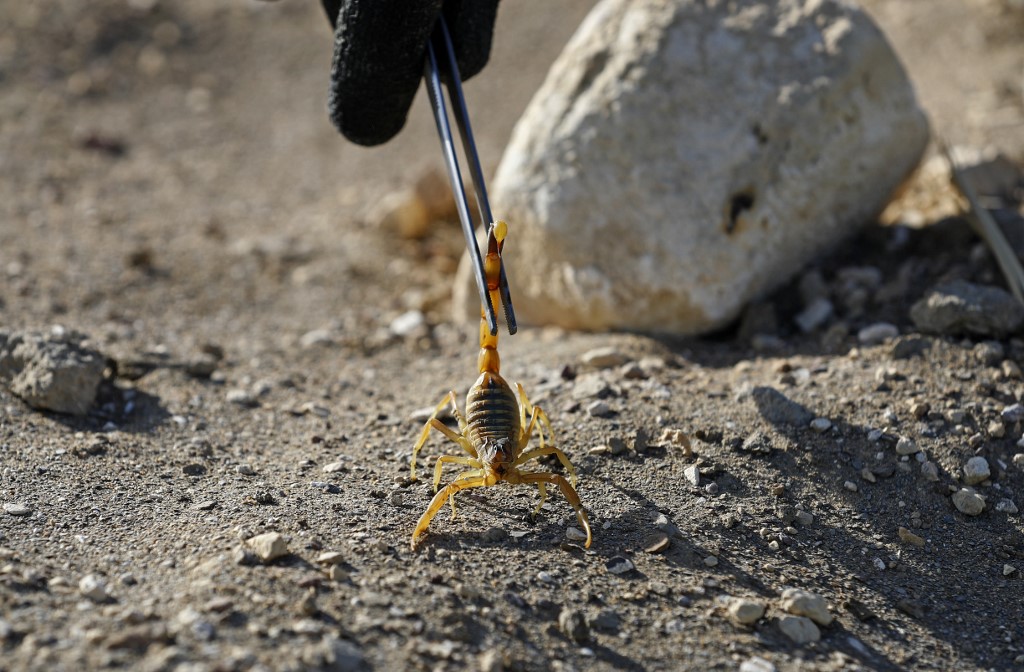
[[976, 470], [799, 629], [93, 587], [821, 425], [906, 446], [408, 323], [575, 534], [880, 332]]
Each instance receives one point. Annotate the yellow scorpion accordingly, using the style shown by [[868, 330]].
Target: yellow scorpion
[[495, 432]]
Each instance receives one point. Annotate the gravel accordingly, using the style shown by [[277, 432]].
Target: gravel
[[282, 270]]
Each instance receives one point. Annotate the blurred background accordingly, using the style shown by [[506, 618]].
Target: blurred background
[[184, 147]]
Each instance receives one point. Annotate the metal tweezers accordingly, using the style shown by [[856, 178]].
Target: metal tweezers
[[441, 43]]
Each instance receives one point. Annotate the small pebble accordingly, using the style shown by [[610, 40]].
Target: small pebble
[[911, 608], [619, 565], [1009, 570], [1018, 459], [821, 425], [906, 446], [545, 577], [678, 439], [805, 603], [617, 445], [241, 398], [774, 545], [1013, 413], [573, 625], [757, 664], [692, 474], [996, 429], [496, 535], [1011, 369], [1006, 506], [17, 509], [879, 564], [711, 561], [94, 588], [245, 470], [598, 409], [330, 558], [575, 534], [930, 471], [744, 611], [490, 661], [268, 547], [850, 485], [799, 630], [880, 332], [603, 358], [805, 519], [334, 467], [989, 352], [969, 502], [976, 470], [607, 621], [868, 475], [633, 371], [409, 323], [909, 537], [814, 315], [919, 409], [657, 543]]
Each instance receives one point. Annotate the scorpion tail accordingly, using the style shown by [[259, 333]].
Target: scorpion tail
[[489, 361]]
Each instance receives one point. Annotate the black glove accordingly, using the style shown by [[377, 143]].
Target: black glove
[[379, 47]]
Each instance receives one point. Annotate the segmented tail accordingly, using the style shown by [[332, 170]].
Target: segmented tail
[[489, 361]]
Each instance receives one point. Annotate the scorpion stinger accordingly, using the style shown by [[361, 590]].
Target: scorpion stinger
[[496, 430]]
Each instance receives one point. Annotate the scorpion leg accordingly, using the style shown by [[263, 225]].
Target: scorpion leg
[[567, 490], [543, 497], [456, 437], [453, 459], [438, 501], [548, 450], [465, 474], [543, 423]]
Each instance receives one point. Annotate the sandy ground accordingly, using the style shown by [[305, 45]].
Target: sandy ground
[[170, 187]]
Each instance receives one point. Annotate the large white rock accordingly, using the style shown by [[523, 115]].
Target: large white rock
[[683, 157]]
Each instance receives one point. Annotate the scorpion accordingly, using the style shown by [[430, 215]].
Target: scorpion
[[495, 431]]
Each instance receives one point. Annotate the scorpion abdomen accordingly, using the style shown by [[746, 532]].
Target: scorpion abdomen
[[492, 412]]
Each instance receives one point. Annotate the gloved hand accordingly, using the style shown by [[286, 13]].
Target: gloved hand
[[379, 47]]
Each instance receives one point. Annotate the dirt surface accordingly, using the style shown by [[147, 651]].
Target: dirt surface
[[171, 188]]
